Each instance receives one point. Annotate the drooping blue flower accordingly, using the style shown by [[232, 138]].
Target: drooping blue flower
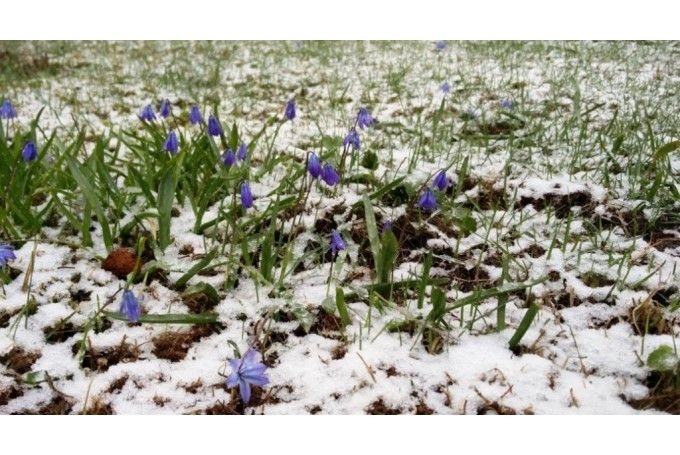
[[364, 118], [228, 158], [352, 139], [440, 45], [7, 110], [506, 103], [214, 127], [329, 175], [129, 306], [171, 143], [164, 110], [247, 371], [314, 166], [290, 109], [242, 152], [337, 242], [441, 181], [147, 114], [30, 152], [428, 201], [246, 195], [446, 88], [195, 116], [6, 254]]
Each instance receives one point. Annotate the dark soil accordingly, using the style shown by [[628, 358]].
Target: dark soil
[[19, 360], [174, 345]]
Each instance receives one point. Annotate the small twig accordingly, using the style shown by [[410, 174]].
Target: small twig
[[50, 383], [368, 368]]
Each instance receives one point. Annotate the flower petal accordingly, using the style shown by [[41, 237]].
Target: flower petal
[[244, 388]]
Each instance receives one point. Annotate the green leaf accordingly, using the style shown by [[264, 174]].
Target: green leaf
[[304, 317], [388, 255], [372, 230], [342, 307], [166, 196], [427, 264], [204, 318], [523, 326], [91, 196], [663, 358], [202, 288], [467, 224], [663, 151], [438, 301], [370, 161]]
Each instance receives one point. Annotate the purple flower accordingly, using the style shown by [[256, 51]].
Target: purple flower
[[214, 128], [246, 195], [352, 139], [30, 152], [337, 243], [506, 103], [7, 110], [164, 111], [129, 306], [290, 109], [446, 88], [147, 114], [6, 254], [314, 166], [195, 116], [329, 175], [364, 118], [171, 143], [242, 152], [387, 225], [228, 158], [428, 201], [245, 372], [441, 181], [440, 45]]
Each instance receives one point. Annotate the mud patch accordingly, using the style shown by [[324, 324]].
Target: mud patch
[[174, 345], [19, 360]]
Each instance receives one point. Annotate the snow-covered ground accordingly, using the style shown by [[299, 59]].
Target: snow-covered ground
[[541, 186]]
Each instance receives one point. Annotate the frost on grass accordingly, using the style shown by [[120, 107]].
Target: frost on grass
[[489, 166]]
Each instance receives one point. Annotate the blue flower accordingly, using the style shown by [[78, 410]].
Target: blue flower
[[428, 201], [129, 306], [7, 110], [290, 109], [242, 152], [441, 181], [228, 158], [164, 110], [364, 118], [6, 254], [214, 128], [446, 88], [337, 242], [195, 116], [352, 139], [440, 45], [314, 166], [247, 371], [387, 225], [246, 195], [329, 175], [30, 152], [506, 103], [147, 114], [171, 143]]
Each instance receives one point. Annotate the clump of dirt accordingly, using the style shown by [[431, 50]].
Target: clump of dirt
[[535, 251], [10, 393], [663, 394], [647, 318], [433, 341], [313, 410], [495, 408], [379, 407], [487, 197], [199, 302], [561, 203], [422, 409], [663, 239], [470, 279], [325, 324], [20, 360], [102, 359], [174, 345], [98, 407], [58, 406], [235, 406], [117, 384], [339, 351], [60, 332], [193, 387], [595, 280], [80, 295], [4, 319], [120, 262]]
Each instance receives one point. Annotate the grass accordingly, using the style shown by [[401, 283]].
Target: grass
[[598, 125]]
